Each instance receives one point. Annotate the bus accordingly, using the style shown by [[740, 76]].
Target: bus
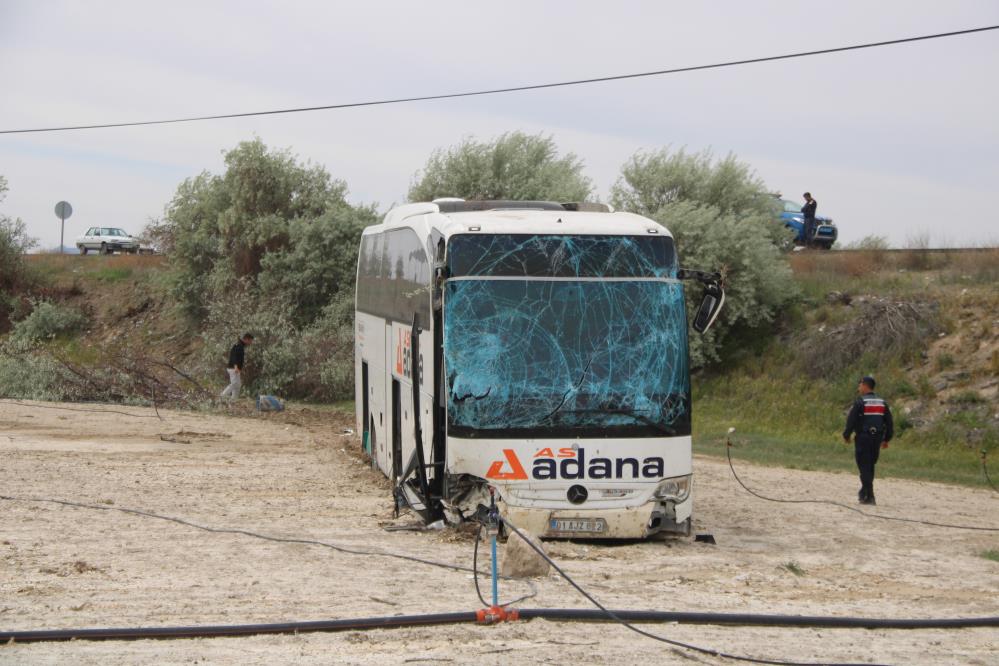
[[532, 353]]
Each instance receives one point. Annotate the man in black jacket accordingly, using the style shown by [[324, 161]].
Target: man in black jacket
[[234, 367], [870, 419], [808, 210]]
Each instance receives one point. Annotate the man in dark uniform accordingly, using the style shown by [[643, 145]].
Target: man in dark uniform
[[870, 419], [808, 210]]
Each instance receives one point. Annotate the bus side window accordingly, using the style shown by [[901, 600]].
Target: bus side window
[[366, 270]]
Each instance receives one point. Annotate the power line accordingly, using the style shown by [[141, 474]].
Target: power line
[[497, 91]]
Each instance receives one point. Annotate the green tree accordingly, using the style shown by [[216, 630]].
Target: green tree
[[723, 219], [757, 278], [269, 246], [514, 166], [14, 243], [267, 209], [651, 180]]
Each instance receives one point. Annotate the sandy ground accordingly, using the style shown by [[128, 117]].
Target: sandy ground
[[298, 475]]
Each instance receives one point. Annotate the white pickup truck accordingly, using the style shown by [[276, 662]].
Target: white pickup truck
[[107, 240]]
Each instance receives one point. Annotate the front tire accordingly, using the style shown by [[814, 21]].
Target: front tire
[[82, 249], [105, 249]]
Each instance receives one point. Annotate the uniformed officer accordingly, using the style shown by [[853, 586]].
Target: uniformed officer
[[870, 419]]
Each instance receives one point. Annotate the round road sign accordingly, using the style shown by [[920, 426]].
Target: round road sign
[[63, 210]]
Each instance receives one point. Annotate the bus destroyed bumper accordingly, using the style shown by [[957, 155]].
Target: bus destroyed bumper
[[622, 523]]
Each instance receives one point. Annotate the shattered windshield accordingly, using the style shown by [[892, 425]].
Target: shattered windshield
[[565, 336]]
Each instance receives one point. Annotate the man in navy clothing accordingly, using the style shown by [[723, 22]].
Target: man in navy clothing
[[870, 420], [808, 210]]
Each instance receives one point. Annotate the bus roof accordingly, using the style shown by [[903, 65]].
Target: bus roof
[[421, 217]]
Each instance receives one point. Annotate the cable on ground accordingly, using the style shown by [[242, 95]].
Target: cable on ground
[[222, 530], [553, 614], [728, 452], [617, 618], [475, 577], [624, 617], [539, 86], [11, 401]]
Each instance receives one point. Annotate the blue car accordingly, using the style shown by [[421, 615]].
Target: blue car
[[825, 230]]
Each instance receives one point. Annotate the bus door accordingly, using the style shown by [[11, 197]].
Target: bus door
[[396, 452]]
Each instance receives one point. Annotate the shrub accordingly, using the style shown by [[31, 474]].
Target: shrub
[[14, 242], [880, 332], [968, 397], [904, 389], [313, 361], [652, 180], [269, 247], [758, 282], [723, 219], [45, 322], [32, 378], [223, 229], [513, 166], [871, 243], [945, 361]]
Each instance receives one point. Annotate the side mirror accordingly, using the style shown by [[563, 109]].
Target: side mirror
[[711, 305]]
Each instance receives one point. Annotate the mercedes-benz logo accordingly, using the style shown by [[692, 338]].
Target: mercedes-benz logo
[[577, 494]]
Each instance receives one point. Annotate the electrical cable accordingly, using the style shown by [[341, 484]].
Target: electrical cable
[[728, 451], [211, 631], [522, 88], [624, 617], [11, 401], [222, 530], [617, 618], [759, 619], [475, 578], [553, 614]]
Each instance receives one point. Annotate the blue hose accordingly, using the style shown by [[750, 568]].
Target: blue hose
[[495, 577]]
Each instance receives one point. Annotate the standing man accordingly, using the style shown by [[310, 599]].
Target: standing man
[[808, 210], [870, 419], [235, 366]]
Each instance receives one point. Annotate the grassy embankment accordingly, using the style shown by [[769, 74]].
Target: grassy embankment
[[942, 388]]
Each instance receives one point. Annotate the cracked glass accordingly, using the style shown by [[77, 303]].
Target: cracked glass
[[574, 336]]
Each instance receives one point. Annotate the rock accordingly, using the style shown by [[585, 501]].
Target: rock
[[838, 297], [520, 560]]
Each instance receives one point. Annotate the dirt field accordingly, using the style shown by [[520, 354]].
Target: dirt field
[[298, 475]]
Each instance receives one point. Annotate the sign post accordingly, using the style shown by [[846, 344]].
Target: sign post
[[62, 211]]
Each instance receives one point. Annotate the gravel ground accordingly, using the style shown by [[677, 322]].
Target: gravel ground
[[298, 475]]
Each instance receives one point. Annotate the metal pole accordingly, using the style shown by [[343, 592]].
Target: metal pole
[[495, 577], [62, 233]]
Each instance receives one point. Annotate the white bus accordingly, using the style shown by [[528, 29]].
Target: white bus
[[548, 348]]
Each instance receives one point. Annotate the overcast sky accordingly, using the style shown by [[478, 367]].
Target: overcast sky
[[901, 141]]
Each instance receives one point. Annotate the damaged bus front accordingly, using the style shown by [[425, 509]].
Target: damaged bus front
[[531, 353], [567, 380]]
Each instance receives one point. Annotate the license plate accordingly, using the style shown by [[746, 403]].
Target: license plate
[[577, 525]]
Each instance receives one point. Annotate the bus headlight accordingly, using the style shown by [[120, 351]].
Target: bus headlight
[[676, 488]]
